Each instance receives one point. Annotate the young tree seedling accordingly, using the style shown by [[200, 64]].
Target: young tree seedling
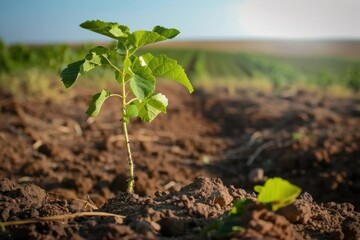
[[134, 74]]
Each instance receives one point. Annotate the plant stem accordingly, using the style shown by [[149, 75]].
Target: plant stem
[[131, 182]]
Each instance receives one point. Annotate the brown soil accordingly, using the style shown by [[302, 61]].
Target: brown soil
[[242, 139]]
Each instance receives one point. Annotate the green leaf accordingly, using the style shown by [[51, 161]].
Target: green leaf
[[166, 67], [229, 225], [150, 107], [96, 57], [131, 111], [238, 207], [96, 102], [142, 87], [71, 73], [145, 59], [168, 33], [117, 75], [127, 64], [109, 29], [142, 37], [277, 192]]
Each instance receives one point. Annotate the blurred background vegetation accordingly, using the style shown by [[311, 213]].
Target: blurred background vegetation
[[33, 70]]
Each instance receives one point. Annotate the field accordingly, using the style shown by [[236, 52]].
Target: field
[[253, 115]]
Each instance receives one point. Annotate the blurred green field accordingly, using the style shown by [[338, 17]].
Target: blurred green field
[[34, 70]]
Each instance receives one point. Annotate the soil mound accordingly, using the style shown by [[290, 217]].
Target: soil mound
[[176, 215], [241, 137]]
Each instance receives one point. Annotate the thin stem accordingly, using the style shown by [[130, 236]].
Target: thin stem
[[58, 218], [116, 95], [132, 100], [126, 135], [112, 65], [130, 160]]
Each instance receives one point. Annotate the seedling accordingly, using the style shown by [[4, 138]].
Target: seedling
[[276, 193], [134, 74]]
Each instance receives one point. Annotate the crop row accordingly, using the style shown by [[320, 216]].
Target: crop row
[[202, 65]]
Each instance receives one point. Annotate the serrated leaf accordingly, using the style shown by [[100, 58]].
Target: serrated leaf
[[96, 57], [142, 87], [145, 59], [122, 46], [71, 73], [109, 29], [97, 102], [277, 192], [150, 107], [142, 37], [166, 67], [117, 75], [169, 33]]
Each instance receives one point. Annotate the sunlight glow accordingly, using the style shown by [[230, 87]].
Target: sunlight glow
[[300, 18]]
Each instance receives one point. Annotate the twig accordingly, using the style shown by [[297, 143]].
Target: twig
[[170, 185], [77, 128], [257, 152], [88, 203], [63, 217]]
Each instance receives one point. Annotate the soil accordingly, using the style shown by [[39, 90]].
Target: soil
[[191, 165]]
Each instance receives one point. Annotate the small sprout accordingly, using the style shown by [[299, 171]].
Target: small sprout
[[277, 192], [231, 224], [135, 74]]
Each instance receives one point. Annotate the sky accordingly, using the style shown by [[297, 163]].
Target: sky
[[42, 21]]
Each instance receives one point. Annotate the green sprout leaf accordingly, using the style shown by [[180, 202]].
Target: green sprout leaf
[[168, 33], [231, 224], [142, 87], [163, 66], [277, 192], [150, 107], [142, 37], [70, 74], [109, 29], [96, 102], [131, 111], [96, 57]]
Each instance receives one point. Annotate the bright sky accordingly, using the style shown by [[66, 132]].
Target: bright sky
[[40, 21]]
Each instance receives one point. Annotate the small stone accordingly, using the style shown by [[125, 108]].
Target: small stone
[[221, 198]]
